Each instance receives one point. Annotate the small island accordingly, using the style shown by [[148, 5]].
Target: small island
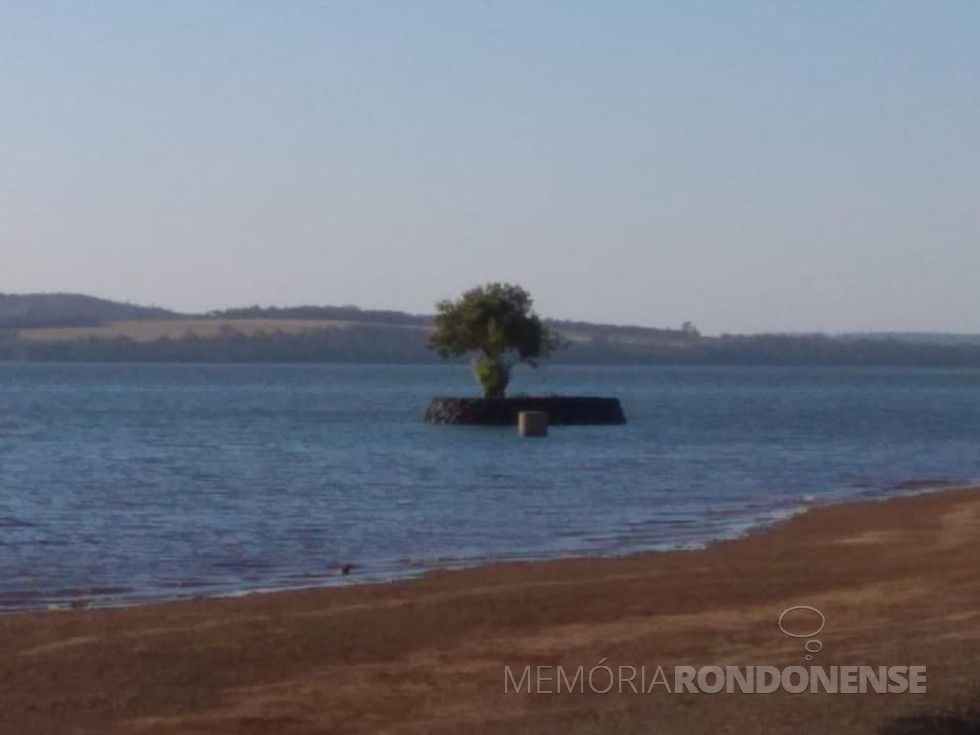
[[497, 326], [561, 410]]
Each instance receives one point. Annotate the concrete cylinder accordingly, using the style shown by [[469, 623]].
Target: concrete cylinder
[[532, 423]]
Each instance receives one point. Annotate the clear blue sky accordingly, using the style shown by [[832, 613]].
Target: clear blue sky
[[749, 166]]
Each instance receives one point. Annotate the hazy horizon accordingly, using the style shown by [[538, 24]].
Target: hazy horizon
[[759, 168]]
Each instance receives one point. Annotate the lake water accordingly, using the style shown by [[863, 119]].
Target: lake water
[[122, 483]]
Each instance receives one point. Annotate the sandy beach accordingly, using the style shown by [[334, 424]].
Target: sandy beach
[[896, 582]]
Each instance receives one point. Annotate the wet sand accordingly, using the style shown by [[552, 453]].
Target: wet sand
[[896, 580]]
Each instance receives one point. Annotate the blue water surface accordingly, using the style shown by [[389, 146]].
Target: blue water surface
[[122, 483]]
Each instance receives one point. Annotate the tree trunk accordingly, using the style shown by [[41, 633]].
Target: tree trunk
[[492, 375]]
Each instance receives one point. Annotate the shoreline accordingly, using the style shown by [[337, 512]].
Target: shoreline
[[775, 517], [895, 579]]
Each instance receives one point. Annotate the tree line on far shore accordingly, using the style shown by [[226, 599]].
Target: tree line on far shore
[[393, 344]]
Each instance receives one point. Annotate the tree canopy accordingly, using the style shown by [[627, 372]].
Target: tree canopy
[[496, 324]]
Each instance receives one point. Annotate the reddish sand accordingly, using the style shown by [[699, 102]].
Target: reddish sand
[[897, 582]]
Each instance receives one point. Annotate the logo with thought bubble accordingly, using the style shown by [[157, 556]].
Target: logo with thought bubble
[[813, 645]]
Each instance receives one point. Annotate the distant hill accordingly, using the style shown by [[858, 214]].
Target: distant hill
[[72, 317], [76, 328], [26, 311]]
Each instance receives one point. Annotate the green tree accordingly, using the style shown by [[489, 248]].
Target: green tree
[[495, 324]]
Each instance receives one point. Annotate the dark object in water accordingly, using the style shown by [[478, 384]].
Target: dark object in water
[[561, 410]]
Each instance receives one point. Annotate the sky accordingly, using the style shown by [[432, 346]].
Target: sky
[[748, 166]]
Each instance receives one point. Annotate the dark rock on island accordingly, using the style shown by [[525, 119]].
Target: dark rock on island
[[562, 410]]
